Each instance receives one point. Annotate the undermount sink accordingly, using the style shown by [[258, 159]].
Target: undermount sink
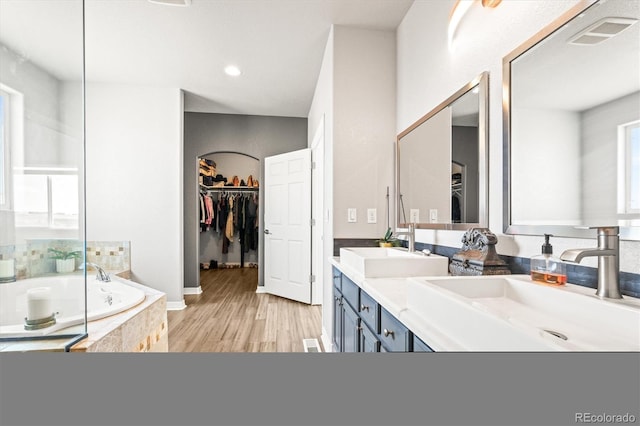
[[513, 313], [379, 262]]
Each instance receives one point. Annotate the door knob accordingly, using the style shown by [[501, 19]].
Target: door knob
[[266, 231]]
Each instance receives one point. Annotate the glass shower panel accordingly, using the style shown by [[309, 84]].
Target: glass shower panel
[[42, 232]]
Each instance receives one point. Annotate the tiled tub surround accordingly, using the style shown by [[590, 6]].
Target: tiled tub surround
[[142, 328], [33, 259], [576, 274]]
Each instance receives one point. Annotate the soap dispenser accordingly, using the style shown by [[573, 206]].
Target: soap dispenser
[[546, 268]]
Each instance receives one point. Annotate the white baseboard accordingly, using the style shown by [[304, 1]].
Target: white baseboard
[[192, 290], [326, 341], [260, 289], [176, 306]]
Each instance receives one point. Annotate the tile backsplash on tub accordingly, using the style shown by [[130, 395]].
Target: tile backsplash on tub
[[110, 255], [33, 259]]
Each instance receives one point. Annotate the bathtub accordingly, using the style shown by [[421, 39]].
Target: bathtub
[[67, 302]]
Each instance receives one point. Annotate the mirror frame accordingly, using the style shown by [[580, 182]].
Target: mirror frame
[[626, 232], [482, 81]]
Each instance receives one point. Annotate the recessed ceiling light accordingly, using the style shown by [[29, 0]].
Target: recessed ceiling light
[[232, 70], [183, 3]]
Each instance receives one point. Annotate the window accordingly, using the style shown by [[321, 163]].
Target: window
[[46, 197], [629, 169]]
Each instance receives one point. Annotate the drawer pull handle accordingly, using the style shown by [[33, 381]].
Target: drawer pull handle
[[364, 308], [388, 333]]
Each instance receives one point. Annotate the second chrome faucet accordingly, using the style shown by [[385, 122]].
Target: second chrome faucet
[[411, 233], [608, 254]]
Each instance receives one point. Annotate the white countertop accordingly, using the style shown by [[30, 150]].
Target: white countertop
[[391, 293]]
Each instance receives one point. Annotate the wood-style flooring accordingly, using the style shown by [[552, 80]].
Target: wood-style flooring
[[229, 316]]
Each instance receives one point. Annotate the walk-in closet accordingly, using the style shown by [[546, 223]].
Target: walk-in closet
[[229, 209]]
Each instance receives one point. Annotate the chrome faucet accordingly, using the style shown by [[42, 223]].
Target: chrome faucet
[[608, 254], [102, 275], [411, 233]]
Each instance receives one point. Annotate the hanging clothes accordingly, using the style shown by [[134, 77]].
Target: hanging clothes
[[230, 217]]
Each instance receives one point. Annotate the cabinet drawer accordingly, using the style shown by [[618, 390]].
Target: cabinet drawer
[[419, 345], [370, 311], [337, 279], [393, 335], [351, 292]]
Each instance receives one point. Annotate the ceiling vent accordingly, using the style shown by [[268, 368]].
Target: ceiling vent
[[183, 3], [602, 30]]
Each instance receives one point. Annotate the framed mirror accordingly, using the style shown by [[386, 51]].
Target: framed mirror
[[571, 107], [442, 163]]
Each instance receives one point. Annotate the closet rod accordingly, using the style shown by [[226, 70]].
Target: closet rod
[[229, 189]]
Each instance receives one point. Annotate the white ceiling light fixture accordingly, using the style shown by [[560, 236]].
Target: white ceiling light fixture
[[232, 70], [181, 3], [460, 8]]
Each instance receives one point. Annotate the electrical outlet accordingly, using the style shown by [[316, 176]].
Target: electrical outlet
[[433, 215], [414, 216], [352, 215], [372, 216]]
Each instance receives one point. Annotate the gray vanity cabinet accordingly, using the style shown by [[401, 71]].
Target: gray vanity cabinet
[[337, 311], [346, 322], [394, 336], [369, 342], [350, 329], [369, 312], [360, 324]]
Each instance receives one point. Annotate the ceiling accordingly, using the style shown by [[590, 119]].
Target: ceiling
[[277, 44]]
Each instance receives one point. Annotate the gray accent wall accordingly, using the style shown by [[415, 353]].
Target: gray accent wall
[[257, 136]]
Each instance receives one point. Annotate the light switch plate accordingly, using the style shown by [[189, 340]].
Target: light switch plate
[[352, 215], [372, 216], [414, 215], [433, 215]]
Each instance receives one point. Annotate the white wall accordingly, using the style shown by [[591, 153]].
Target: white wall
[[600, 152], [40, 90], [538, 179], [355, 94], [364, 136], [134, 179], [428, 73], [322, 110]]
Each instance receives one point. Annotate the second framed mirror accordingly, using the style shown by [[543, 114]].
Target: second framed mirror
[[442, 163]]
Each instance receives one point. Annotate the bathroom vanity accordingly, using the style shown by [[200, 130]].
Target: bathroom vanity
[[508, 313]]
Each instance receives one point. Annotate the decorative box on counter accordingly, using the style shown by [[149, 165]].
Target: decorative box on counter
[[478, 255]]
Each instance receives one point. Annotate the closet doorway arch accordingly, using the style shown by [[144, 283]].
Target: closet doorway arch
[[210, 245]]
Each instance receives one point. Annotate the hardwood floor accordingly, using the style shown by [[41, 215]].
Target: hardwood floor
[[229, 316]]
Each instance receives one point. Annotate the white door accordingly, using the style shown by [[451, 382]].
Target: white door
[[287, 225], [317, 207]]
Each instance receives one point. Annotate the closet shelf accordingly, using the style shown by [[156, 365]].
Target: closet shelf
[[228, 188]]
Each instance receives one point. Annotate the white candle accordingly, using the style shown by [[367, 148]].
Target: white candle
[[7, 268], [39, 303]]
